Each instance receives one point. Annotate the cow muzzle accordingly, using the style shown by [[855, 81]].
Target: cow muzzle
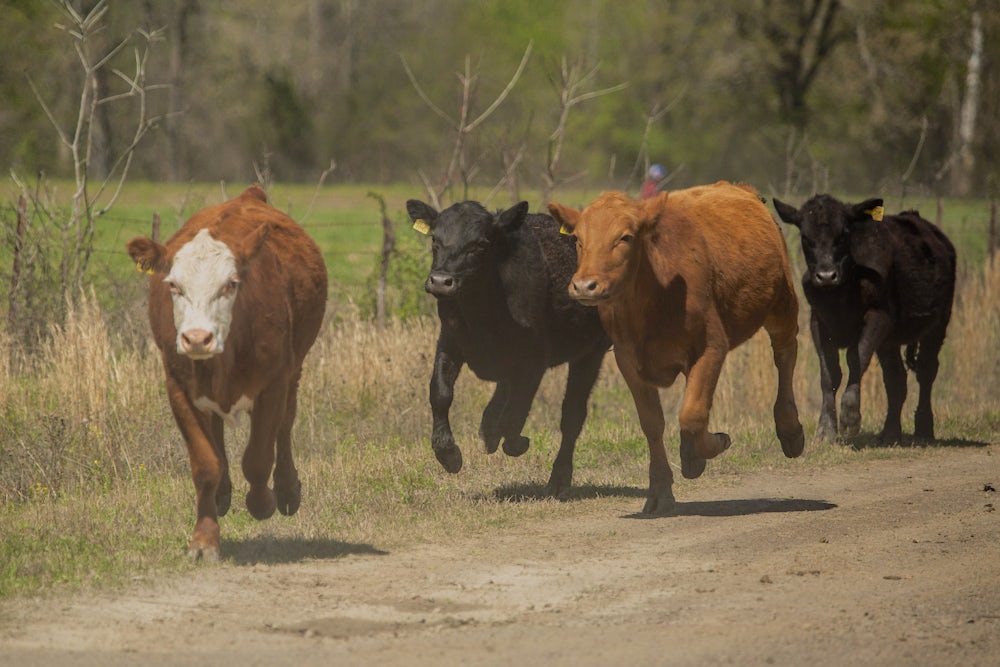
[[441, 284], [587, 291], [826, 278], [198, 343]]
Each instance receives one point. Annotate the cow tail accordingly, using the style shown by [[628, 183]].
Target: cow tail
[[912, 355]]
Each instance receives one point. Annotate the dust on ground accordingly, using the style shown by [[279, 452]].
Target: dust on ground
[[887, 562]]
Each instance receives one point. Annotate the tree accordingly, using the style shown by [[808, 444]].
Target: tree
[[801, 36], [66, 234]]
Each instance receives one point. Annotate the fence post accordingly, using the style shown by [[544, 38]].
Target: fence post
[[993, 227], [388, 245], [156, 227], [15, 272]]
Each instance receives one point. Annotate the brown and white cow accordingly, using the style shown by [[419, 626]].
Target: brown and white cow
[[236, 299], [679, 280]]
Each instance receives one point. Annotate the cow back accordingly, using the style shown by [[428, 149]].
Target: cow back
[[722, 242], [922, 276]]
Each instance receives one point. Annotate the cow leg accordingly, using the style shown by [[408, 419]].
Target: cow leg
[[224, 493], [579, 383], [830, 376], [660, 499], [287, 487], [258, 458], [490, 429], [877, 327], [522, 393], [894, 378], [697, 444], [850, 402], [447, 364], [926, 367], [206, 471], [782, 331]]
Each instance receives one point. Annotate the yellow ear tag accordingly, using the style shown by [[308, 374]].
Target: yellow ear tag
[[138, 267], [876, 213], [563, 229], [422, 227]]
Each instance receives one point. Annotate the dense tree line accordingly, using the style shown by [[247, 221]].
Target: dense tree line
[[784, 94]]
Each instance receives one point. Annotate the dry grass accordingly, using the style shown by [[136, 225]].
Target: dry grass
[[94, 478]]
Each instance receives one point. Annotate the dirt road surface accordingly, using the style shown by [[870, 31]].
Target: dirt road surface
[[893, 562]]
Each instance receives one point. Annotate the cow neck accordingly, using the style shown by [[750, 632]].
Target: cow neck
[[478, 303]]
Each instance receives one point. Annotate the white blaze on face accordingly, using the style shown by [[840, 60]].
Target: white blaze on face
[[203, 283]]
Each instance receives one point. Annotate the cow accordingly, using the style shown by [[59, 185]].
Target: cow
[[874, 283], [500, 283], [679, 280], [236, 299]]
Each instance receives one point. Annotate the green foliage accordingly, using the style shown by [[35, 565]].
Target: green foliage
[[299, 84]]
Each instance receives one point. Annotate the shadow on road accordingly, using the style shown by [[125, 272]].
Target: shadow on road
[[274, 550], [519, 493], [743, 507], [871, 441]]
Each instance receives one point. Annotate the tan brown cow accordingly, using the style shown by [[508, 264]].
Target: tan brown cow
[[236, 299], [679, 280]]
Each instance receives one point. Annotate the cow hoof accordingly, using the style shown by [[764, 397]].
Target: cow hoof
[[660, 505], [792, 443], [691, 466], [490, 443], [450, 459], [208, 554], [288, 499], [204, 543], [890, 436], [516, 446], [261, 504], [850, 414], [559, 485]]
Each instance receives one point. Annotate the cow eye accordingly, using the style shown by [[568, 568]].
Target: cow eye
[[626, 238], [231, 286], [174, 288]]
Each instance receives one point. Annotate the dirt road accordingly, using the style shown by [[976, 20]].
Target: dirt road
[[892, 562]]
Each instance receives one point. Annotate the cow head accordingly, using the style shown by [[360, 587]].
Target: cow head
[[465, 242], [607, 234], [834, 236], [203, 277]]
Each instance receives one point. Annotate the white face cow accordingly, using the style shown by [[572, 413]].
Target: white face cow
[[203, 282]]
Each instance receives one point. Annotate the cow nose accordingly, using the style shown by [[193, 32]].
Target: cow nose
[[828, 277], [197, 341], [441, 284], [583, 288]]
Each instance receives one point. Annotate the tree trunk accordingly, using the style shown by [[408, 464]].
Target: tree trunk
[[963, 170]]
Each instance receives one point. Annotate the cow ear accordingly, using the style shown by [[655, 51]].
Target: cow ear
[[255, 191], [787, 213], [868, 243], [148, 255], [651, 209], [566, 217], [252, 244], [869, 209], [422, 215], [512, 218]]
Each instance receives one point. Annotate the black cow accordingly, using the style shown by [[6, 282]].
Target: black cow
[[874, 284], [500, 282]]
